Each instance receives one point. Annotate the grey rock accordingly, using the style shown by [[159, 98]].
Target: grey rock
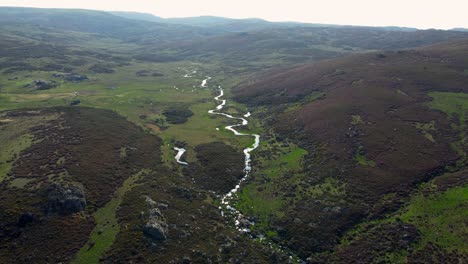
[[66, 200], [154, 212], [163, 206], [75, 78], [186, 260], [44, 85], [156, 229]]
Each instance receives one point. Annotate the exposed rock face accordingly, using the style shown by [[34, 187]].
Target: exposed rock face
[[156, 227], [66, 200]]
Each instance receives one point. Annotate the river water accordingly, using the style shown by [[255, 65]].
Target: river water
[[180, 152], [226, 200], [205, 81], [241, 222]]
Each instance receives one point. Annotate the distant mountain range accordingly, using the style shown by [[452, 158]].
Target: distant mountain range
[[363, 155], [232, 24], [460, 29]]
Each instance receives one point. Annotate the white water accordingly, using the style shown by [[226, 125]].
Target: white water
[[226, 199], [205, 81], [189, 75], [180, 152]]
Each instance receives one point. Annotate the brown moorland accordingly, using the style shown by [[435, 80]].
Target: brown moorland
[[372, 129], [80, 147]]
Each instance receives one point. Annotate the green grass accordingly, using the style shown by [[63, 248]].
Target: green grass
[[15, 137], [201, 128], [308, 99], [425, 128], [260, 204], [441, 218], [20, 182], [454, 105], [330, 187], [258, 198], [356, 120], [132, 97], [361, 159], [107, 227], [10, 150]]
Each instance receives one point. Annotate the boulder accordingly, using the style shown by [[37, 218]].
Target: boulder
[[66, 200], [75, 78], [156, 229], [44, 85], [186, 260]]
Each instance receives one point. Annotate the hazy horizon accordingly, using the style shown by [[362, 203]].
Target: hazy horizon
[[417, 14]]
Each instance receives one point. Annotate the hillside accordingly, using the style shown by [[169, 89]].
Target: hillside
[[375, 127], [219, 24], [259, 44], [124, 140], [259, 49], [100, 22]]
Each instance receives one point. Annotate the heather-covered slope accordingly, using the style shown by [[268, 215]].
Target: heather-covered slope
[[69, 161], [276, 46], [375, 126], [345, 143]]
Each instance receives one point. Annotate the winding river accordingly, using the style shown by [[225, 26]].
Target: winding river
[[205, 81], [189, 75], [241, 222], [180, 152], [227, 198]]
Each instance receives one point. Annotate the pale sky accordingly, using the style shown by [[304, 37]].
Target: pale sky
[[442, 14]]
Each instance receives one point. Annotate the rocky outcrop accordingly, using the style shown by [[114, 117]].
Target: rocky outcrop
[[42, 84], [71, 77], [66, 200], [156, 227]]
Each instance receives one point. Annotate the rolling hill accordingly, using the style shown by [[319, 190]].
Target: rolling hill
[[375, 126], [362, 157]]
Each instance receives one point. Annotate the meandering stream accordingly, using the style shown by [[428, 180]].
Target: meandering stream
[[226, 199], [189, 75], [241, 222], [180, 152], [205, 81]]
